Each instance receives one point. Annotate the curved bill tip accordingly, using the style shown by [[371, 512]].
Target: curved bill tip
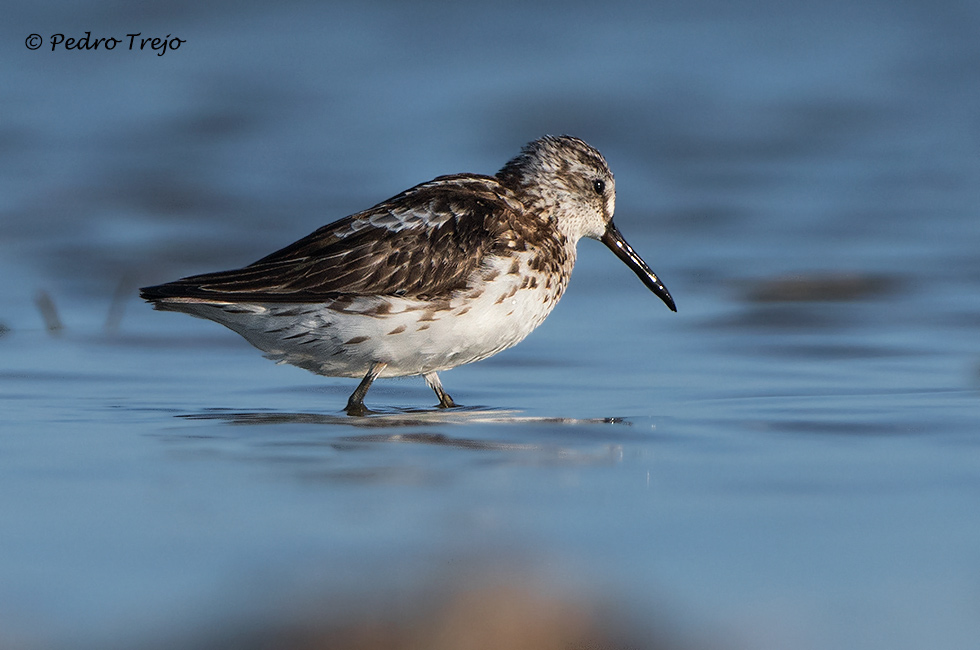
[[615, 242]]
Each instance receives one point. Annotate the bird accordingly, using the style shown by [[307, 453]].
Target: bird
[[448, 272]]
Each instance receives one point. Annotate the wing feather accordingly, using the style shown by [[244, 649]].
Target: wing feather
[[425, 242]]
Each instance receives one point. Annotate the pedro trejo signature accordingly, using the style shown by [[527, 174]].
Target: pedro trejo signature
[[134, 41]]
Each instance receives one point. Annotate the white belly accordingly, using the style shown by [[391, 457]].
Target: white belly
[[409, 335]]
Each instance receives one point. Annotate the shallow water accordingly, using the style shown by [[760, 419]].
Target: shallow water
[[790, 461]]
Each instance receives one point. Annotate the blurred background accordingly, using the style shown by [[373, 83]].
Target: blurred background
[[790, 461]]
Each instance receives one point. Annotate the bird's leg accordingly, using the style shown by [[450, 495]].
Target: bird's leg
[[355, 405], [445, 401]]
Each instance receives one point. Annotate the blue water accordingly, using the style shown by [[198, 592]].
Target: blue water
[[790, 461]]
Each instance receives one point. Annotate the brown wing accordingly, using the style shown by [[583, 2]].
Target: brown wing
[[425, 242]]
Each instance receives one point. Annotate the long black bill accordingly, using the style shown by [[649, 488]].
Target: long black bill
[[614, 240]]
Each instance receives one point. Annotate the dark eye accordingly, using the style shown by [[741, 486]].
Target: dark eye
[[599, 186]]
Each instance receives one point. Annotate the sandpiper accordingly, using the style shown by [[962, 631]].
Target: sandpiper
[[448, 272]]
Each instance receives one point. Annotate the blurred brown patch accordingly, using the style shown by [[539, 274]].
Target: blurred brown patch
[[508, 616], [821, 286], [483, 619]]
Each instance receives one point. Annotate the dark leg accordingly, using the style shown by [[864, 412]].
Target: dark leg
[[355, 405], [445, 401]]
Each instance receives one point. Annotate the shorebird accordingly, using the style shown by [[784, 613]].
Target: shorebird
[[448, 272]]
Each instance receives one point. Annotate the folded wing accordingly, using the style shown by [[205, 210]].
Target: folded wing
[[425, 242]]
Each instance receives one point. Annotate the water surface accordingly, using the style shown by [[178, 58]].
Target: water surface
[[790, 461]]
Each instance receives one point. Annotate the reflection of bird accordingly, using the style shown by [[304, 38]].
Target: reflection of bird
[[446, 273]]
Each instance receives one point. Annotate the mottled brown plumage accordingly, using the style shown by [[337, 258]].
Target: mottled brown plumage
[[476, 216], [447, 272]]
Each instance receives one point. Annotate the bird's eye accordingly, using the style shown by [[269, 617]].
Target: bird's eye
[[599, 186]]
